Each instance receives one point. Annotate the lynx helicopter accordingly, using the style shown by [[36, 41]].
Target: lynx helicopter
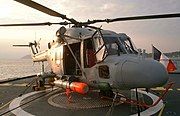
[[84, 56]]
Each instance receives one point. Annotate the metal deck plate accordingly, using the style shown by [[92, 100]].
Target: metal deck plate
[[78, 101]]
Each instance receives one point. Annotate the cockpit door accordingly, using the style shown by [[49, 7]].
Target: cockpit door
[[89, 53]]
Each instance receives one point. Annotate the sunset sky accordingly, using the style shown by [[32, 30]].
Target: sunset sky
[[163, 33]]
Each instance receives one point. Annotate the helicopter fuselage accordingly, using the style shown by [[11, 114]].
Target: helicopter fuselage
[[106, 59]]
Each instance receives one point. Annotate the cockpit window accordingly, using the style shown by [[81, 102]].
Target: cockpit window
[[114, 46], [105, 45], [129, 46], [100, 48]]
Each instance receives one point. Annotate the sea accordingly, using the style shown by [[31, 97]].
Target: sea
[[25, 67], [18, 68]]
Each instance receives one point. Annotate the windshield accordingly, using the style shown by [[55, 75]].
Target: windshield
[[114, 46], [128, 44]]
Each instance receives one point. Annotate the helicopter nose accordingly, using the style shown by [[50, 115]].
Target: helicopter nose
[[143, 73]]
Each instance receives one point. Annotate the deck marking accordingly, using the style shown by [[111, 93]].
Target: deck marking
[[14, 85], [20, 112], [5, 105], [160, 89], [16, 103], [20, 85], [160, 113], [5, 84], [152, 110]]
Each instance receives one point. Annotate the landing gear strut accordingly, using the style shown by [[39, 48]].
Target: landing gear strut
[[138, 107], [39, 85]]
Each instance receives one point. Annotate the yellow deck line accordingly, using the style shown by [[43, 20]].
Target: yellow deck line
[[6, 84], [5, 105], [160, 89], [14, 85], [20, 85], [161, 111]]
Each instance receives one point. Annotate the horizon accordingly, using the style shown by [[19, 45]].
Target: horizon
[[163, 33]]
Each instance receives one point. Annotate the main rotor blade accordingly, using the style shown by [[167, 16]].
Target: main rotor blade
[[36, 24], [175, 15], [44, 9]]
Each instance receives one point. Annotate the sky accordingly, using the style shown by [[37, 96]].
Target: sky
[[163, 33]]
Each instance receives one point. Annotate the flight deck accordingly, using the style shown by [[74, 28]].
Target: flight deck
[[54, 101]]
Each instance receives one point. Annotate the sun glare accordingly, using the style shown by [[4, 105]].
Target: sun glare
[[5, 10]]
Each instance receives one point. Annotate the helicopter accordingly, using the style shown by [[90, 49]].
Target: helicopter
[[85, 57]]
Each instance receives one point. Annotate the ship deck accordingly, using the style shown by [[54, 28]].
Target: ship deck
[[54, 102]]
